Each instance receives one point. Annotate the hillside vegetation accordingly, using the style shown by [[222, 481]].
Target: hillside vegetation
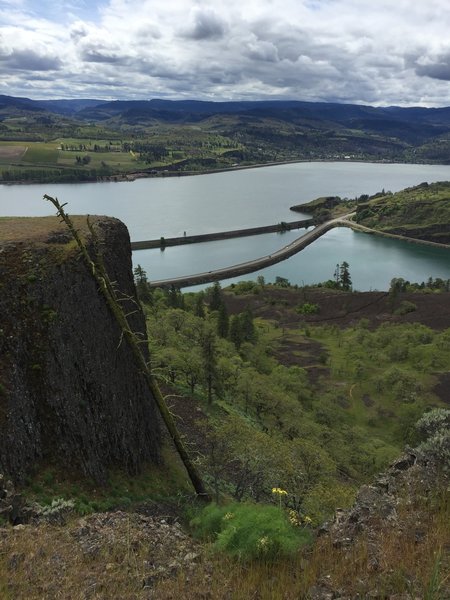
[[91, 140], [421, 212], [290, 399]]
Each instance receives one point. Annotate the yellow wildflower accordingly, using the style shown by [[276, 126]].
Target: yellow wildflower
[[263, 543], [294, 518], [277, 490]]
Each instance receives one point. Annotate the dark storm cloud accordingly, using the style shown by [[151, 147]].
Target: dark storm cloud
[[206, 26], [28, 60], [437, 70]]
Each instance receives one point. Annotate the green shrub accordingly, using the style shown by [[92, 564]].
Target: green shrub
[[435, 427], [245, 287], [405, 308], [308, 308], [250, 532], [209, 522]]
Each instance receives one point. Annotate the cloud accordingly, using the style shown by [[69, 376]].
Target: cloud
[[340, 50], [261, 50], [206, 25], [435, 68], [28, 60]]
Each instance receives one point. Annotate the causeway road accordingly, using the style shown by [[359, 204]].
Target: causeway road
[[258, 263], [220, 235]]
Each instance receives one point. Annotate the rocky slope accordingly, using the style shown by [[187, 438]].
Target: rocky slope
[[70, 393]]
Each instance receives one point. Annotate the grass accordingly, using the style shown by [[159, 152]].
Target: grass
[[122, 161], [166, 483], [422, 211], [54, 561], [410, 554], [36, 229], [41, 153], [402, 565]]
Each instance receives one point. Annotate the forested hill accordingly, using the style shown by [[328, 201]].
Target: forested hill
[[409, 124], [421, 212], [88, 139]]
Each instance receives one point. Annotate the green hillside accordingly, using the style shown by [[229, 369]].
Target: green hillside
[[42, 141], [421, 212]]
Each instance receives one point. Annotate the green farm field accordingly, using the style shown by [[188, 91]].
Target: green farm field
[[41, 153]]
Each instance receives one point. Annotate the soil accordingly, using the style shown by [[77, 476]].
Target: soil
[[442, 389], [305, 353], [189, 417], [11, 152], [342, 308]]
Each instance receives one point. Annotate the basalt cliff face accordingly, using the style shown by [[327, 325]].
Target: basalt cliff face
[[70, 392]]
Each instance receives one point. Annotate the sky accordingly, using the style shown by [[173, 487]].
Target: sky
[[378, 52]]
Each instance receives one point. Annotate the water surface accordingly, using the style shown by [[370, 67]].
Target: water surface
[[167, 207]]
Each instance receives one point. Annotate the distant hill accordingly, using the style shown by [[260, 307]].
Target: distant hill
[[68, 106], [412, 125], [11, 106], [192, 136]]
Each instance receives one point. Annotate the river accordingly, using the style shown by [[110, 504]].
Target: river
[[207, 203]]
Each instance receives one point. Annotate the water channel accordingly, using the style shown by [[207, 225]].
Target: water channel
[[207, 203]]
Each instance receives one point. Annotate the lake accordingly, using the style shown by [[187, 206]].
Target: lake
[[167, 207]]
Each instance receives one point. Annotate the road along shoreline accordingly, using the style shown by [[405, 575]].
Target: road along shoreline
[[279, 255], [251, 265]]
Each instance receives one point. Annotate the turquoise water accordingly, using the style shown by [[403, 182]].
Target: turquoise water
[[152, 208], [373, 260]]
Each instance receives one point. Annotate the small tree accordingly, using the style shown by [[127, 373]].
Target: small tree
[[222, 321], [209, 358], [199, 309], [216, 300], [247, 326], [235, 332], [344, 276], [141, 283]]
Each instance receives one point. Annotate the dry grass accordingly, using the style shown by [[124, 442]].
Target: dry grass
[[46, 562], [107, 555], [36, 229], [411, 560]]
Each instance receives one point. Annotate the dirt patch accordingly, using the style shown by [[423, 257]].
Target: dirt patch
[[12, 152], [189, 417], [442, 389], [306, 353], [368, 402]]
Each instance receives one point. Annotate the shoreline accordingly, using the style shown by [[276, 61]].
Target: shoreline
[[362, 229], [134, 175], [281, 254]]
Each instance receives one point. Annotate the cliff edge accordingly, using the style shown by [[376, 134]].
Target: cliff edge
[[70, 392]]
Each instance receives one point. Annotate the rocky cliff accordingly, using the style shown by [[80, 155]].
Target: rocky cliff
[[69, 390]]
